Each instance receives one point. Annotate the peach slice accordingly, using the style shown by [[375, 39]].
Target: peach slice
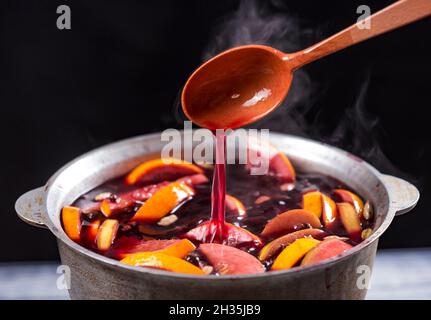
[[274, 246], [290, 221], [106, 234], [163, 201], [293, 253], [312, 201], [235, 205], [329, 212], [161, 169], [233, 235], [279, 164], [325, 250], [350, 197], [350, 220], [162, 261], [71, 218], [230, 260]]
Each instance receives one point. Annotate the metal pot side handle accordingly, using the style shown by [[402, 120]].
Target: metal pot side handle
[[30, 207], [404, 196]]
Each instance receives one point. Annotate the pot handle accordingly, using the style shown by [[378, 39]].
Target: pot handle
[[30, 207], [404, 196]]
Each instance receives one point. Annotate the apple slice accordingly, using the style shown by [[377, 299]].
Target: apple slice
[[293, 253], [162, 261], [325, 250], [230, 260], [289, 221], [126, 245], [276, 245], [235, 206], [161, 170], [91, 231], [329, 213], [233, 235], [279, 164], [350, 197], [71, 218], [350, 220], [194, 179], [312, 201], [106, 234], [163, 202]]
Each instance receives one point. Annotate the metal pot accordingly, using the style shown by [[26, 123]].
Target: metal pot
[[94, 276]]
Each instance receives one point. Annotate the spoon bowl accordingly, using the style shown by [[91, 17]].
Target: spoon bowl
[[237, 87]]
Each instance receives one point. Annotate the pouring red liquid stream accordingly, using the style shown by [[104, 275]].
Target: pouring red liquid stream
[[218, 192]]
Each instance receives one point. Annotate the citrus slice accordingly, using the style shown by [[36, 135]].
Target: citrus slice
[[162, 261], [160, 170], [163, 202], [71, 218], [293, 253]]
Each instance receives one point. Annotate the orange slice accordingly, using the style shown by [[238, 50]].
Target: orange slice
[[163, 201], [161, 169], [293, 253], [71, 218], [312, 201], [162, 261]]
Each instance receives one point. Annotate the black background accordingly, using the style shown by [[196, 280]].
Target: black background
[[118, 73]]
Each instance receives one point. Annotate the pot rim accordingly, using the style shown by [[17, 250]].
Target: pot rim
[[60, 234]]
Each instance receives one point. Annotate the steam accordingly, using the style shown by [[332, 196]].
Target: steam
[[270, 23]]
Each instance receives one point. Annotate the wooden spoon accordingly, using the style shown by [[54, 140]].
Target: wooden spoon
[[242, 85]]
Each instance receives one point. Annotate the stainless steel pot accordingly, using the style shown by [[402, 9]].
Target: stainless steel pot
[[96, 277]]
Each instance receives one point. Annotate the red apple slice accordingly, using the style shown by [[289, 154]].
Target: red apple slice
[[279, 164], [350, 197], [325, 250], [276, 245], [161, 170], [71, 218], [91, 231], [107, 233], [290, 221], [128, 245], [329, 213], [350, 220], [233, 235], [235, 206], [230, 260]]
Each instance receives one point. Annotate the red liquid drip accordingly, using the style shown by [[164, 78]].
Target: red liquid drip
[[218, 192]]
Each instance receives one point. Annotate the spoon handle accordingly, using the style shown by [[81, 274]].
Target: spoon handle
[[394, 16]]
